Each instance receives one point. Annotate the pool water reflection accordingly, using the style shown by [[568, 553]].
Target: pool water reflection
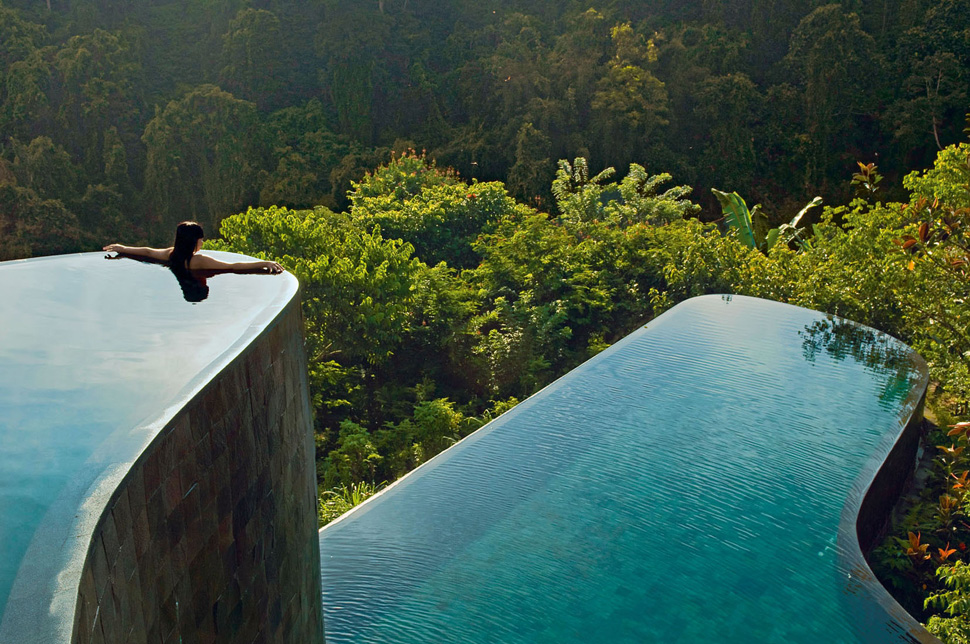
[[686, 485]]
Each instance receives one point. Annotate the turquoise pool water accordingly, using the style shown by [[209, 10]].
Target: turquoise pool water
[[94, 354], [687, 485]]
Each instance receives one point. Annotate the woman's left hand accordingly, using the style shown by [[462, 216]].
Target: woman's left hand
[[273, 267]]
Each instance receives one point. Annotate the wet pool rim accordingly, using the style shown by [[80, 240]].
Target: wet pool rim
[[45, 589]]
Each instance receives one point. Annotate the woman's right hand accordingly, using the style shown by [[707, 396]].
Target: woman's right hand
[[114, 248]]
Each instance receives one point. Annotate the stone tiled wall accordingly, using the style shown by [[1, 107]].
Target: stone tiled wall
[[877, 617], [212, 536], [889, 483]]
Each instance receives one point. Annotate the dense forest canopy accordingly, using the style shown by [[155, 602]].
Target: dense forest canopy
[[121, 118]]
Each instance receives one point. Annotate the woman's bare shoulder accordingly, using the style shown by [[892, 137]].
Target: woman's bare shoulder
[[203, 262]]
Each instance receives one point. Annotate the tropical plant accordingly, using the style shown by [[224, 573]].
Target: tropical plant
[[745, 223], [866, 180], [738, 217], [789, 233], [337, 501], [954, 602]]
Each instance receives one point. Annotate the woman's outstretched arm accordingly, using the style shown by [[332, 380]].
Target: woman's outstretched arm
[[158, 254], [205, 263]]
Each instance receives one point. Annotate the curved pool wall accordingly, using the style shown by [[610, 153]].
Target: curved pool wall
[[715, 476], [157, 478]]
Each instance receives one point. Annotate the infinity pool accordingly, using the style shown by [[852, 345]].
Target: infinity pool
[[696, 482], [95, 356]]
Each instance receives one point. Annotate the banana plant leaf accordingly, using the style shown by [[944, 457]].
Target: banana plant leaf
[[737, 215], [801, 213], [771, 238], [789, 232]]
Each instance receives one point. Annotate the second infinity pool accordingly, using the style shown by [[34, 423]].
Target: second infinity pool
[[686, 485]]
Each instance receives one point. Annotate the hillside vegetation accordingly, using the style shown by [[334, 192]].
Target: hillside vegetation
[[121, 118]]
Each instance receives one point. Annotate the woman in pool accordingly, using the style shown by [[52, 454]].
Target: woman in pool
[[185, 255]]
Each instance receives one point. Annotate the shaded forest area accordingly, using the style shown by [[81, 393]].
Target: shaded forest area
[[120, 118]]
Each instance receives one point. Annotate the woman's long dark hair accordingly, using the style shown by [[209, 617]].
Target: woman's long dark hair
[[187, 235]]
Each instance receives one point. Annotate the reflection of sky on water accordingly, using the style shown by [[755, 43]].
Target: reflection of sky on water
[[90, 349]]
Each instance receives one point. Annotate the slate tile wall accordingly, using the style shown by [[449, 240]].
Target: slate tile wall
[[212, 536], [889, 483]]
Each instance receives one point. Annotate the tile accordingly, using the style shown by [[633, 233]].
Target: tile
[[140, 531], [109, 535], [203, 452], [188, 471], [172, 492], [151, 470], [193, 524], [98, 563], [164, 585], [155, 632], [150, 602], [193, 541], [125, 564], [121, 514], [167, 456], [97, 634], [109, 613], [181, 434], [168, 616]]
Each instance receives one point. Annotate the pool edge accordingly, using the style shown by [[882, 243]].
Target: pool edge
[[59, 592]]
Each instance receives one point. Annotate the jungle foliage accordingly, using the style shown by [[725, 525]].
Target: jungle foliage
[[409, 356], [118, 119]]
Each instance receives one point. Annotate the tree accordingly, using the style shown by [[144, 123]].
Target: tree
[[514, 70], [44, 167], [935, 97], [26, 110], [203, 153], [36, 192], [553, 289], [39, 226], [576, 63], [351, 42], [433, 426], [253, 66], [181, 43], [729, 111], [19, 38], [955, 602], [354, 460], [440, 216], [93, 89], [523, 324], [358, 298], [837, 68], [938, 27], [630, 103], [532, 170], [305, 153], [582, 199]]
